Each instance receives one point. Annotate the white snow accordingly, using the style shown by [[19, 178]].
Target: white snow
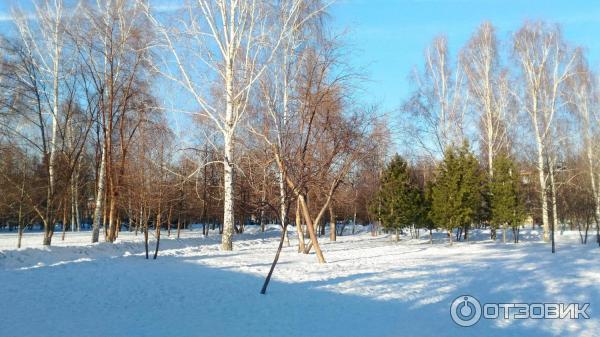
[[370, 286]]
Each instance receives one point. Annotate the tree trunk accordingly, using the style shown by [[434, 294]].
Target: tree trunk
[[48, 232], [299, 231], [99, 198], [112, 225], [73, 211], [140, 219], [146, 238], [262, 218], [553, 202], [311, 230], [169, 222], [543, 193], [227, 237], [581, 239], [228, 162], [321, 227], [590, 158], [332, 224], [20, 237], [354, 220], [158, 226], [49, 228], [597, 233], [64, 220], [283, 206], [118, 227], [266, 284]]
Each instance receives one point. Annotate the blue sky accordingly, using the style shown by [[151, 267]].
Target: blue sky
[[392, 35], [389, 36]]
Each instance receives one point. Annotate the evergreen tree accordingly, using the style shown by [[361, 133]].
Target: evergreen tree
[[506, 197], [398, 201], [424, 218], [456, 193], [484, 215]]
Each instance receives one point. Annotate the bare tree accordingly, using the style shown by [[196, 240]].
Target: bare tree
[[489, 91], [545, 63], [436, 110], [225, 40], [583, 96], [39, 36], [113, 43]]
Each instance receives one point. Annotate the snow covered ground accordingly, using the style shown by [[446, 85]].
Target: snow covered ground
[[371, 286]]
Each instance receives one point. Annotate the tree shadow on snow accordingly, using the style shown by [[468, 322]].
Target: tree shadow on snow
[[177, 295]]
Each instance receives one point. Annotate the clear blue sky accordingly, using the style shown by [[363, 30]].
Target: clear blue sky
[[392, 35]]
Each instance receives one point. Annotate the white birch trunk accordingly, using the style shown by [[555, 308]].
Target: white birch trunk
[[229, 128], [543, 192], [541, 166], [553, 200], [54, 136], [99, 198], [227, 238], [282, 205], [590, 158]]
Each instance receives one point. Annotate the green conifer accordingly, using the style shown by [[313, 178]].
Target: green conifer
[[506, 197], [398, 203], [456, 193]]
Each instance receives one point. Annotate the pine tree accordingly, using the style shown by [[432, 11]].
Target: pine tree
[[424, 219], [398, 201], [456, 193], [506, 197]]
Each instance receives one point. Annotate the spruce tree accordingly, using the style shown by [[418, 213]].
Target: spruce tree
[[506, 197], [424, 219], [398, 201], [456, 193]]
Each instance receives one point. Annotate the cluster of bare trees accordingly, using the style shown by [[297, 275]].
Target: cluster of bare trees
[[277, 83], [535, 98], [274, 132], [76, 92]]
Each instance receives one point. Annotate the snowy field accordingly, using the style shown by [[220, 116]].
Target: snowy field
[[371, 286]]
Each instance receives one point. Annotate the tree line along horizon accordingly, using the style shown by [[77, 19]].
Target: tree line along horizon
[[280, 131]]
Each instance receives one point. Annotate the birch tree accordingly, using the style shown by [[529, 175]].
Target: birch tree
[[223, 42], [489, 91], [436, 110], [43, 41], [279, 98], [584, 103], [545, 64], [113, 45]]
